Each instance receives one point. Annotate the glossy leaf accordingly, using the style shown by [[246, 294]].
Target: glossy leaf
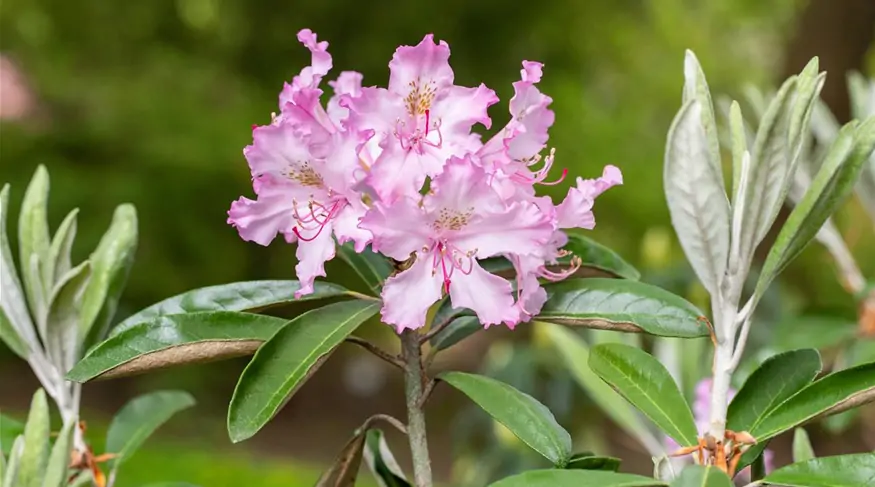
[[696, 195], [519, 412], [252, 296], [645, 382], [110, 263], [56, 470], [589, 461], [458, 330], [373, 268], [34, 239], [139, 418], [576, 478], [381, 462], [35, 455], [702, 476], [830, 187], [58, 263], [598, 260], [62, 333], [838, 471], [575, 353], [16, 327], [176, 340], [778, 378], [287, 360], [621, 305], [802, 449], [832, 394]]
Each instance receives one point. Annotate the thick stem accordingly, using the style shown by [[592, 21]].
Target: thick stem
[[416, 433], [725, 326]]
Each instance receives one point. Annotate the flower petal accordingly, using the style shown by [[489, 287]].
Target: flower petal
[[408, 295], [521, 229], [311, 76], [349, 83], [278, 151], [260, 220], [346, 226], [576, 210], [399, 229], [488, 295], [312, 255], [424, 64], [399, 173]]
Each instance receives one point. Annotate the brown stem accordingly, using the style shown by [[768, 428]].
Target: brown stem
[[377, 351]]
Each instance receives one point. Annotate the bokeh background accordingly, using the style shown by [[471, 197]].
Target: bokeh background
[[151, 103]]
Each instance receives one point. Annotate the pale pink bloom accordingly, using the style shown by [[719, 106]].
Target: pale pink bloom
[[16, 97], [460, 221], [304, 196], [421, 120]]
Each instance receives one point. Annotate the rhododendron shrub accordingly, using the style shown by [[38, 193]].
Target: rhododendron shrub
[[451, 235]]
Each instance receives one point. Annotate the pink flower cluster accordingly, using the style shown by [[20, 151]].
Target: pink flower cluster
[[400, 169]]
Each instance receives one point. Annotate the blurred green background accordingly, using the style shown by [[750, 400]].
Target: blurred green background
[[151, 102]]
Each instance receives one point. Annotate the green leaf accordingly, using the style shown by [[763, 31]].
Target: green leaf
[[458, 330], [695, 192], [621, 305], [778, 378], [33, 238], [252, 296], [802, 449], [35, 455], [830, 187], [10, 476], [576, 478], [287, 360], [645, 382], [165, 341], [696, 88], [16, 327], [702, 476], [110, 263], [598, 260], [373, 268], [588, 461], [10, 429], [344, 470], [381, 462], [520, 413], [832, 394], [819, 332], [139, 418], [739, 145], [58, 263], [838, 471], [56, 469], [575, 353], [62, 331]]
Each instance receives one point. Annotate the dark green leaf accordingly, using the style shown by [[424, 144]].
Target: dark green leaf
[[588, 461], [839, 471], [832, 394], [111, 262], [702, 476], [778, 378], [250, 296], [576, 478], [522, 414], [597, 260], [802, 449], [459, 329], [645, 382], [139, 418], [287, 360], [373, 268], [381, 462], [575, 353], [621, 305], [175, 340]]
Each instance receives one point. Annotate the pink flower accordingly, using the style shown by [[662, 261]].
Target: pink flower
[[421, 120], [459, 222]]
